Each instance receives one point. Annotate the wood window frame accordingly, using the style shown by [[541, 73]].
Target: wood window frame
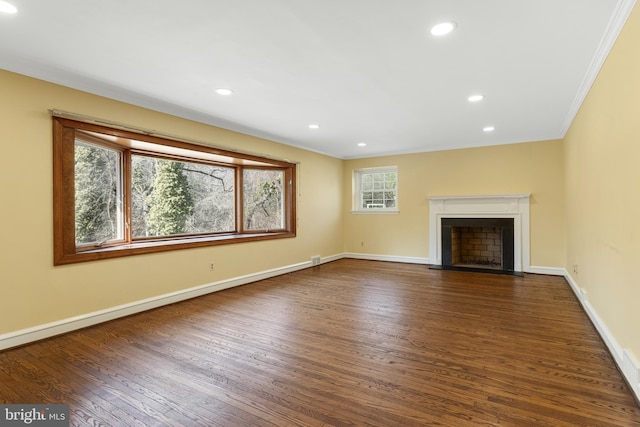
[[65, 249]]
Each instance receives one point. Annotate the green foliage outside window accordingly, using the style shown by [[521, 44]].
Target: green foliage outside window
[[170, 201], [97, 196]]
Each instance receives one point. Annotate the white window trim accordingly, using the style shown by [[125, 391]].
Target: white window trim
[[357, 191]]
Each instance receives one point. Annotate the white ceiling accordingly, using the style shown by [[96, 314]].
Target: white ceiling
[[364, 70]]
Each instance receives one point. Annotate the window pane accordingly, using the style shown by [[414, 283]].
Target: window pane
[[98, 194], [213, 193], [170, 197], [263, 199], [376, 190]]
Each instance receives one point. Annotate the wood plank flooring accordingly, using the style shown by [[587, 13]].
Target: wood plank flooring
[[348, 343]]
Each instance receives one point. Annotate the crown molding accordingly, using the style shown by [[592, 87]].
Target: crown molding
[[616, 23]]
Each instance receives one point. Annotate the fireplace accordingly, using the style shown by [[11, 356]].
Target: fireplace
[[478, 243], [505, 218]]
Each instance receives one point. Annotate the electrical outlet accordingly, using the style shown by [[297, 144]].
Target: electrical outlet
[[315, 260], [212, 267], [575, 268]]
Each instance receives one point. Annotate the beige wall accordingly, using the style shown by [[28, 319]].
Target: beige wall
[[34, 292], [535, 167], [602, 162]]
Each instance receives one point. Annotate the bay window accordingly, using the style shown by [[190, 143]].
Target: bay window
[[120, 193]]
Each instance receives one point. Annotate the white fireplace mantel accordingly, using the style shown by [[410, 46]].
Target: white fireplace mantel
[[514, 206]]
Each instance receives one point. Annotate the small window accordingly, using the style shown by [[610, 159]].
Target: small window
[[376, 190], [120, 193]]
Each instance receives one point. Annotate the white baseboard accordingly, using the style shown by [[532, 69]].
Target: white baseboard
[[627, 363], [326, 259], [549, 271], [39, 332], [390, 258], [24, 336]]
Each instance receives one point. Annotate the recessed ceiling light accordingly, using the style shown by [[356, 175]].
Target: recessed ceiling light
[[489, 129], [314, 126], [224, 92], [7, 7], [362, 144], [443, 28], [475, 98]]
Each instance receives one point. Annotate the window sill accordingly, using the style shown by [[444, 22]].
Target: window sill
[[377, 211], [154, 246]]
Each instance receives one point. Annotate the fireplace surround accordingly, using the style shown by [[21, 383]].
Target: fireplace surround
[[492, 210]]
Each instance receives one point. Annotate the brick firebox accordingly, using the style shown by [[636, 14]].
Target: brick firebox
[[480, 246], [478, 242]]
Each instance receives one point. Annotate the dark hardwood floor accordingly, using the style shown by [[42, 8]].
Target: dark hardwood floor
[[348, 343]]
